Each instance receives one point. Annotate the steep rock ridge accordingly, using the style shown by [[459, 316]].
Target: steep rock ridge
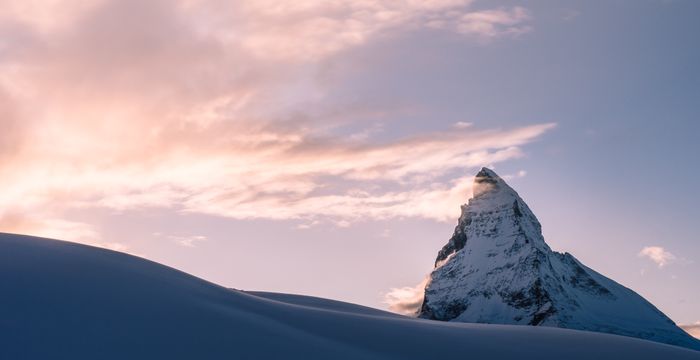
[[496, 268]]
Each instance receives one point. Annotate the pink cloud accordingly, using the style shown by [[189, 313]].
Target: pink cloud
[[658, 255], [53, 228], [186, 105], [494, 23], [692, 329], [406, 300]]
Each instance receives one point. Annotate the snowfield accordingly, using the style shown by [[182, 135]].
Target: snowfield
[[61, 300]]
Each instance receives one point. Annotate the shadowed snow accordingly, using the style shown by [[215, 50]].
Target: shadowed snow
[[63, 300]]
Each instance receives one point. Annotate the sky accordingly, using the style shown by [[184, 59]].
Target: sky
[[323, 147]]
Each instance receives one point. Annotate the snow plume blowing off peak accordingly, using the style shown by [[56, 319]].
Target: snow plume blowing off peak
[[497, 268], [486, 182]]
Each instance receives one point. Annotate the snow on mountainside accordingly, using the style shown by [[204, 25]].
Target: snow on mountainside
[[498, 269], [61, 300]]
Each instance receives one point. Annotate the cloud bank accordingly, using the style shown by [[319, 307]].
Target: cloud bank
[[215, 107]]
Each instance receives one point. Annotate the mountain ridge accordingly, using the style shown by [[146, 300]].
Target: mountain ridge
[[497, 268]]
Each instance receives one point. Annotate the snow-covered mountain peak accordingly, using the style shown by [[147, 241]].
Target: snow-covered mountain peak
[[488, 184], [490, 192], [495, 218], [497, 268]]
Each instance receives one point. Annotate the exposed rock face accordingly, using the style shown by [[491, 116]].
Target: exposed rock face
[[498, 269]]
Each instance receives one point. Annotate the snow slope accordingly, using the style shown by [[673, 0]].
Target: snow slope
[[321, 303], [60, 300], [498, 269]]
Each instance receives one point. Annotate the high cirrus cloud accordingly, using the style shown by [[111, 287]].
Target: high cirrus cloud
[[213, 107]]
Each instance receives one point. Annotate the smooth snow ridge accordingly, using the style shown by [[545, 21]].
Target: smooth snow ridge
[[61, 300]]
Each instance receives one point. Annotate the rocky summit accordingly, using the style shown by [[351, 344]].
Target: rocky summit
[[496, 268]]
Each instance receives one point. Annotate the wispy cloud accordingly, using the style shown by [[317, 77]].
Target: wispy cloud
[[692, 329], [311, 29], [462, 125], [658, 255], [495, 23], [291, 176], [41, 224], [214, 107], [519, 174], [406, 300], [188, 241]]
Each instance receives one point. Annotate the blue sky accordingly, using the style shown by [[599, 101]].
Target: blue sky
[[324, 148]]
